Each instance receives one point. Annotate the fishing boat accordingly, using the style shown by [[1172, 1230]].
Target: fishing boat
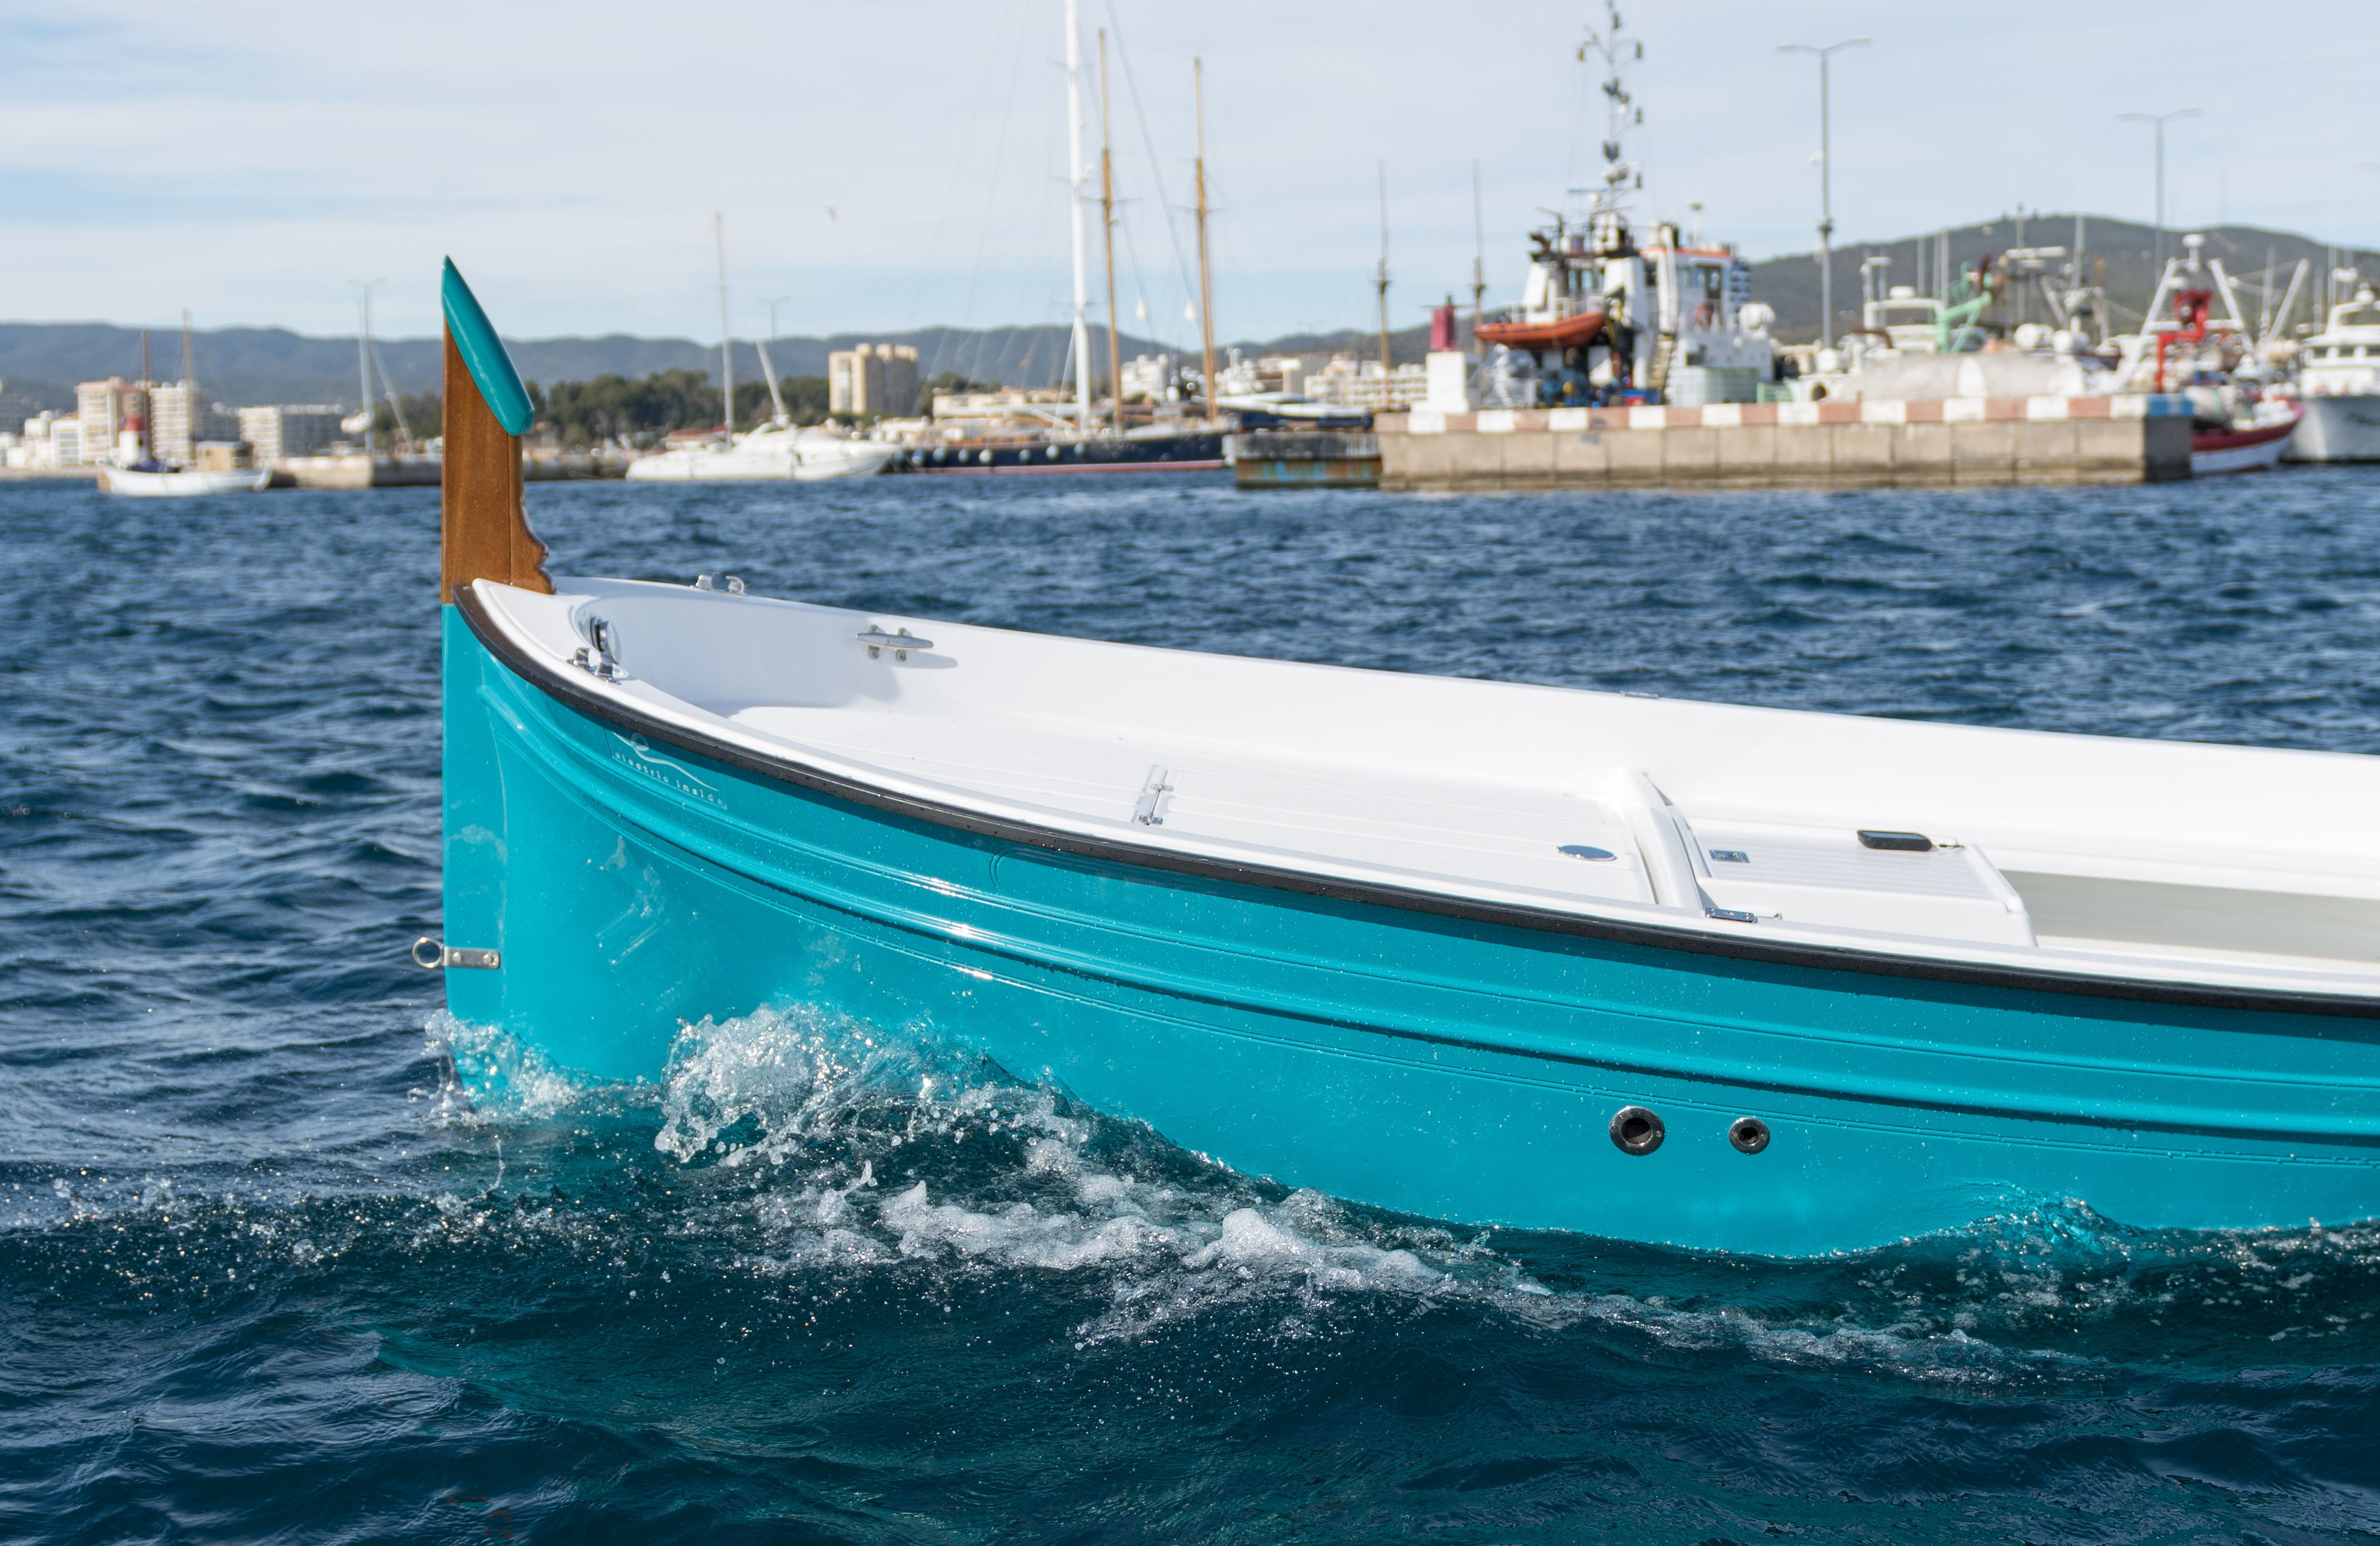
[[2338, 377], [1725, 978], [163, 482], [2196, 341], [1605, 318], [2254, 443]]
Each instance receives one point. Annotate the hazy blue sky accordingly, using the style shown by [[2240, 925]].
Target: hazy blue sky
[[246, 158]]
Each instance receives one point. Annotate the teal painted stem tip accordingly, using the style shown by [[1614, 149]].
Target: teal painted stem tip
[[484, 353]]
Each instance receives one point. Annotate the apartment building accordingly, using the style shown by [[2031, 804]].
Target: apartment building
[[280, 432], [873, 378]]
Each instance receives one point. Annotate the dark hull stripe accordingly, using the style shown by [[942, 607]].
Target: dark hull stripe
[[556, 683]]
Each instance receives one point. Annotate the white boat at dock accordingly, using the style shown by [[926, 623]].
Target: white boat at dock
[[2338, 380], [776, 451], [182, 483]]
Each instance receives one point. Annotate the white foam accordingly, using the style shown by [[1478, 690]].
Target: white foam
[[490, 1076]]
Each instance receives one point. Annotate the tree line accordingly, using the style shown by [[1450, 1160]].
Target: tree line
[[639, 412]]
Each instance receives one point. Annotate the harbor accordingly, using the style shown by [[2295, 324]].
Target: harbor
[[1092, 776]]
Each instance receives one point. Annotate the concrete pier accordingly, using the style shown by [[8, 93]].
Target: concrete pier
[[1942, 443]]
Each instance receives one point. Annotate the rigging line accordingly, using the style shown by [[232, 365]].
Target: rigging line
[[951, 193], [990, 197], [1149, 144], [388, 387], [1139, 282], [1047, 279]]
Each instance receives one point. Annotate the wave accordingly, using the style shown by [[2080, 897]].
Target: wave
[[813, 1145]]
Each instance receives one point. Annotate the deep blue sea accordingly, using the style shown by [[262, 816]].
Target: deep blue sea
[[276, 1265]]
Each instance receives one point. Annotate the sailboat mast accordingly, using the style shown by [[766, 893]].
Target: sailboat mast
[[1479, 257], [1107, 227], [1206, 273], [363, 365], [726, 337], [1082, 237], [1385, 377]]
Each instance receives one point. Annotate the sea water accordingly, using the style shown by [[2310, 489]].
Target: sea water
[[287, 1254]]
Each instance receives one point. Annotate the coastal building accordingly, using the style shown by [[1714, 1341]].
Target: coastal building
[[179, 418], [1269, 372], [104, 411], [873, 378], [1020, 403], [1358, 383], [43, 439], [279, 432]]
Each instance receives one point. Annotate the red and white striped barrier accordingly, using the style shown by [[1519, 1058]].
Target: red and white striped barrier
[[1940, 410]]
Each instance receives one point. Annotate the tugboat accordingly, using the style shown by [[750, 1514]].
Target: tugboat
[[1603, 320]]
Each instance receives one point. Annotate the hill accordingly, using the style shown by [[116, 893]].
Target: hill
[[1789, 283], [40, 362]]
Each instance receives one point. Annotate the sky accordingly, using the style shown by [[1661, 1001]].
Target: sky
[[893, 165]]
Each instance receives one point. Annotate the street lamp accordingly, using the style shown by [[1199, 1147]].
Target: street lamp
[[2160, 120], [1825, 190]]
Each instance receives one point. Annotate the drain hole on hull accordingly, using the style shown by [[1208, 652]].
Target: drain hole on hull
[[1749, 1134], [1636, 1130]]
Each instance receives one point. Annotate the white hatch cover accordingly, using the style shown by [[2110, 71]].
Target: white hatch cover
[[1830, 876]]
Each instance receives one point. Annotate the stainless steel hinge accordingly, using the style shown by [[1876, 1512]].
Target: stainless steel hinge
[[436, 955]]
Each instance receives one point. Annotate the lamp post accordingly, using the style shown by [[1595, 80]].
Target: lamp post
[[2160, 120], [1826, 188]]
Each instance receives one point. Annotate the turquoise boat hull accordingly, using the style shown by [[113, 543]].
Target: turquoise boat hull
[[1452, 1066]]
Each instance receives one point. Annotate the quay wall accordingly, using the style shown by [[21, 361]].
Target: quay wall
[[1951, 442]]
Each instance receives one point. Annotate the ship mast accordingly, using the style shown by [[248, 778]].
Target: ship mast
[[1074, 201], [1620, 113], [1386, 378], [726, 339], [1205, 276], [1107, 228]]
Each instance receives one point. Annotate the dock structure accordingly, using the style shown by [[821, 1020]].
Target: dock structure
[[1303, 459], [1938, 444]]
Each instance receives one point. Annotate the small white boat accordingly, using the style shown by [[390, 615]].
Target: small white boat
[[182, 483], [774, 451]]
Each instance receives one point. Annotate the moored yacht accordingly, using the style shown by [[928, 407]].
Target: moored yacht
[[777, 450]]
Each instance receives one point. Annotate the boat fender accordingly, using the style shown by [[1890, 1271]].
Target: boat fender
[[1636, 1130], [1749, 1134]]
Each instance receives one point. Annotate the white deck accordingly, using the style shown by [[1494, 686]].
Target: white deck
[[2214, 865]]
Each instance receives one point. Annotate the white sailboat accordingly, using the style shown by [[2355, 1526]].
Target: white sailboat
[[151, 479], [182, 482], [776, 450]]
